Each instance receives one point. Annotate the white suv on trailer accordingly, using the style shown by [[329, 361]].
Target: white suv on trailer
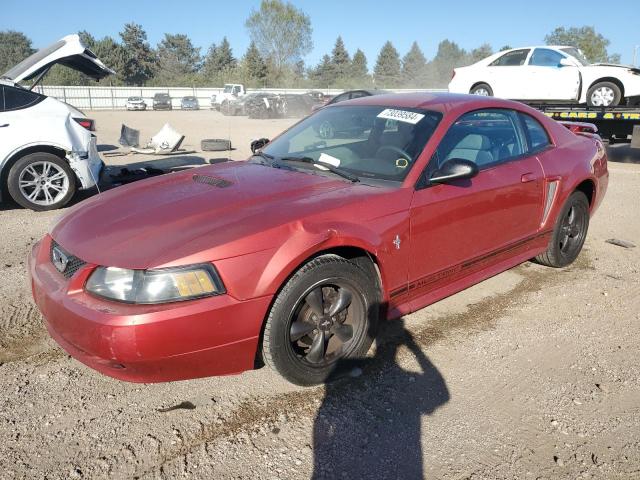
[[47, 148]]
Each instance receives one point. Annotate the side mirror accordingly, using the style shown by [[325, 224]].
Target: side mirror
[[454, 169], [565, 62], [258, 144]]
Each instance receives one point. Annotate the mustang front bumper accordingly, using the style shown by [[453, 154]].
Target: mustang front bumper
[[145, 343]]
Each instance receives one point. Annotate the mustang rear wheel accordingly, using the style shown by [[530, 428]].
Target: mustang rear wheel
[[41, 181], [326, 312], [569, 232]]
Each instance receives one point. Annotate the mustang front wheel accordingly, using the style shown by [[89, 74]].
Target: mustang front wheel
[[569, 232], [326, 312]]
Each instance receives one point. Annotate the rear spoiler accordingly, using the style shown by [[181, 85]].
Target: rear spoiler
[[580, 127]]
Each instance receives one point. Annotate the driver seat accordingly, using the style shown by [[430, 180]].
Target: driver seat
[[474, 147]]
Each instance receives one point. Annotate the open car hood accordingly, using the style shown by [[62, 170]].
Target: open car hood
[[69, 51]]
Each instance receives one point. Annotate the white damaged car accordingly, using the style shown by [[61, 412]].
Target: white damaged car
[[559, 74], [47, 148]]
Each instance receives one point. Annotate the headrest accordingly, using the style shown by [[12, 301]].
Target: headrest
[[475, 141]]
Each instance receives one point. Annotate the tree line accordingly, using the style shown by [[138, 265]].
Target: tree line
[[281, 36]]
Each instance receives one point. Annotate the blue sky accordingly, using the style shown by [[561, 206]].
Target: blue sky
[[362, 24]]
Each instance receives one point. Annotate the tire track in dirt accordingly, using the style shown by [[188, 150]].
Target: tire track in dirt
[[481, 316], [22, 332]]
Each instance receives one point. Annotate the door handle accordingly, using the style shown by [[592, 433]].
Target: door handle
[[5, 125], [527, 177]]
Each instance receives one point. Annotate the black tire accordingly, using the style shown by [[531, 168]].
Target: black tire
[[480, 88], [19, 173], [569, 233], [610, 88], [347, 334], [215, 145]]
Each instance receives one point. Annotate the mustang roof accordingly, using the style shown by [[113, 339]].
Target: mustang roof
[[441, 102]]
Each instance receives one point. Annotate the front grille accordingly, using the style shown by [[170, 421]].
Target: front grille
[[73, 263]]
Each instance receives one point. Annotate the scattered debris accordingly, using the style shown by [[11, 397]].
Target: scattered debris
[[126, 175], [186, 405], [620, 243], [129, 137], [215, 145], [167, 140]]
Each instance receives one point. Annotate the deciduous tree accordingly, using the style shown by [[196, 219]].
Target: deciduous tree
[[593, 44]]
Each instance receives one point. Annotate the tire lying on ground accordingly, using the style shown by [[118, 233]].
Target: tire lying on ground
[[215, 145]]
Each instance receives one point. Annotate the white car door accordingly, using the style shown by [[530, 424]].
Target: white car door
[[553, 76], [508, 74]]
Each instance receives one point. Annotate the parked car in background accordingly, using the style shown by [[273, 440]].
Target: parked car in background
[[230, 92], [189, 103], [349, 95], [549, 74], [136, 103], [162, 101], [294, 256], [47, 147]]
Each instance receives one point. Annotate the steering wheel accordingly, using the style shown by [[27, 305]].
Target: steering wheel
[[399, 151]]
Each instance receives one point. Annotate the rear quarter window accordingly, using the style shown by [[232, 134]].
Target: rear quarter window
[[537, 136], [17, 98]]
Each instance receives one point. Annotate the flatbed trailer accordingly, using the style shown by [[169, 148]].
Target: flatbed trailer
[[615, 124]]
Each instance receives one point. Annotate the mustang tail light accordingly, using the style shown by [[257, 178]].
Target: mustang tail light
[[87, 123]]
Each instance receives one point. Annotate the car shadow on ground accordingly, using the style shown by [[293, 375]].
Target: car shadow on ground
[[623, 153], [370, 427]]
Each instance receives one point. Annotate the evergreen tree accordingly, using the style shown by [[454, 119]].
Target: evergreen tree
[[322, 76], [359, 69], [448, 57], [178, 60], [477, 54], [340, 60], [414, 66], [254, 66], [219, 59], [141, 62], [387, 70]]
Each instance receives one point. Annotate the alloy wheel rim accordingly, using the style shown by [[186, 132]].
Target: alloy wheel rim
[[483, 92], [326, 322], [572, 231], [602, 97], [43, 183]]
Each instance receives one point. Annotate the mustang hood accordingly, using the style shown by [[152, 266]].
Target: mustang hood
[[69, 51], [217, 209]]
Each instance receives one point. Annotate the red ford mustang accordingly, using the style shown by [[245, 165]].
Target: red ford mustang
[[294, 255]]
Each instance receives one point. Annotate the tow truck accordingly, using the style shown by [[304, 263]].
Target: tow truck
[[615, 124]]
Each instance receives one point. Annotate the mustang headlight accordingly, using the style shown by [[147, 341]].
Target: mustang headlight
[[155, 286]]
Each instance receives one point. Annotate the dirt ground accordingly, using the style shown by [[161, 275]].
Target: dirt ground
[[534, 373]]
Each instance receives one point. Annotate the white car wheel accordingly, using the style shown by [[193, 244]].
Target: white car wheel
[[604, 94], [482, 89], [41, 181], [602, 97]]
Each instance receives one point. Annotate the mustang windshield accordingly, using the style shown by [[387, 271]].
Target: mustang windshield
[[368, 141]]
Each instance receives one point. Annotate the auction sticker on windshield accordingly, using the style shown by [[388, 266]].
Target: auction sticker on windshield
[[401, 115]]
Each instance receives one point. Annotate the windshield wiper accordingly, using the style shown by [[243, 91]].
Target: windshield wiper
[[332, 168], [269, 160]]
